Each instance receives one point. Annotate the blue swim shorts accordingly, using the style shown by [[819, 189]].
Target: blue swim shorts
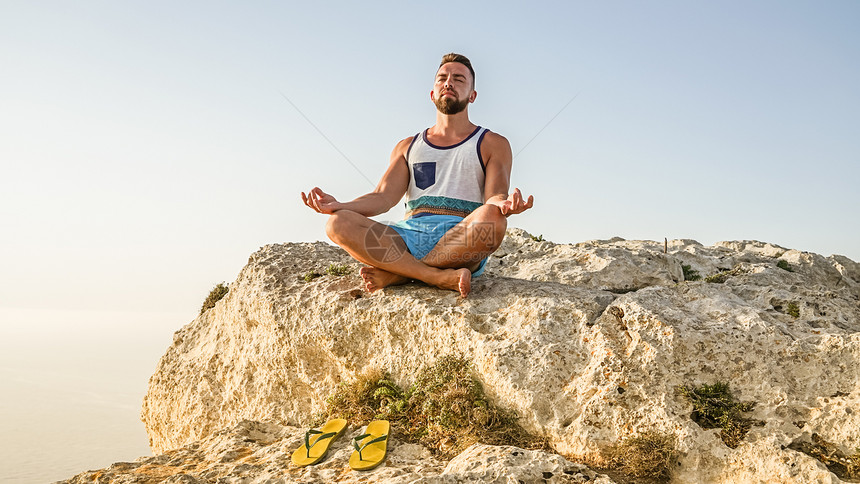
[[422, 233]]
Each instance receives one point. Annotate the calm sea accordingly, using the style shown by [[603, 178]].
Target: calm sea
[[71, 387]]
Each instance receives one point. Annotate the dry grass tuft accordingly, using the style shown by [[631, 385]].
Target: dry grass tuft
[[719, 277], [215, 295], [371, 396], [844, 466], [724, 275], [445, 409], [648, 455]]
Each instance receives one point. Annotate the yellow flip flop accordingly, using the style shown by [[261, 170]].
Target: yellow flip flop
[[317, 442], [371, 447]]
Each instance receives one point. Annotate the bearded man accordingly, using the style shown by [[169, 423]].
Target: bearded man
[[456, 178]]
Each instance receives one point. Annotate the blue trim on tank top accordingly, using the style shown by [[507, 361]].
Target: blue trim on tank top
[[406, 158], [481, 158], [424, 136], [410, 148]]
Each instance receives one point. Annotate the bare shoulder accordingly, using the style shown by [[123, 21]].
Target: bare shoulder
[[495, 138], [496, 145], [401, 147]]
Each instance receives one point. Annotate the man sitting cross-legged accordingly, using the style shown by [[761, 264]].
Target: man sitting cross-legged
[[456, 177]]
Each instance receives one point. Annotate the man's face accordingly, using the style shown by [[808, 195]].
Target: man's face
[[453, 91]]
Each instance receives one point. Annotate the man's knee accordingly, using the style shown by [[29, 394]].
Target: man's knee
[[490, 225], [339, 224]]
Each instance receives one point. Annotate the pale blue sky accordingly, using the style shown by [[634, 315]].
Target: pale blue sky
[[147, 151]]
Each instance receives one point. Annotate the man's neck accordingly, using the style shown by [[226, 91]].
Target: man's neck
[[454, 126]]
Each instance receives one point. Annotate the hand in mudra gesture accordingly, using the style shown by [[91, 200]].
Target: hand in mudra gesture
[[515, 203], [320, 201]]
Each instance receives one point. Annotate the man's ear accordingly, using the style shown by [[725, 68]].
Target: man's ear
[[432, 96], [473, 96]]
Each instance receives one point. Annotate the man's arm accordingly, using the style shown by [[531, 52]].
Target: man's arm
[[496, 150], [388, 192]]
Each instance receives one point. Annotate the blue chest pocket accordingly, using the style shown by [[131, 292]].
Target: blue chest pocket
[[425, 174]]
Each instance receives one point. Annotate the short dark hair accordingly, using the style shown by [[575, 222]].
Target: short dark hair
[[460, 58]]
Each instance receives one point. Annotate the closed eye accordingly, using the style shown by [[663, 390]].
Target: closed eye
[[457, 77]]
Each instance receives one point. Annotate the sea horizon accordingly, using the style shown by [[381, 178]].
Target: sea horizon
[[73, 384]]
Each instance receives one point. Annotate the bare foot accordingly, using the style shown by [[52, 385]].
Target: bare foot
[[376, 278], [458, 280]]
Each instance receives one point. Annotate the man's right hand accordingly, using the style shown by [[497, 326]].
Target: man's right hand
[[320, 201]]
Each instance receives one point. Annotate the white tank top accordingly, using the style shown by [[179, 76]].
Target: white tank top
[[445, 180]]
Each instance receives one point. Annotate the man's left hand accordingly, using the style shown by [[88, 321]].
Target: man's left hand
[[514, 203]]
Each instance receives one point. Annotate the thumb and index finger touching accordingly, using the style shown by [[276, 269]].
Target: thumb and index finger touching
[[312, 198], [519, 203], [316, 191]]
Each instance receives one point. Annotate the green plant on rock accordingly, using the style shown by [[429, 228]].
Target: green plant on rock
[[793, 309], [784, 265], [690, 274], [539, 238], [719, 277], [337, 269], [714, 407], [648, 455], [215, 295], [723, 275], [372, 395], [310, 276], [445, 409]]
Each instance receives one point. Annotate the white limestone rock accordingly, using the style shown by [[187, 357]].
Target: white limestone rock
[[256, 452], [846, 267], [593, 264], [587, 342], [503, 464]]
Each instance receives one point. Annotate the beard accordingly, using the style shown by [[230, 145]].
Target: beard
[[450, 105]]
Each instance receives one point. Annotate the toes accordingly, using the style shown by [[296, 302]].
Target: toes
[[465, 284]]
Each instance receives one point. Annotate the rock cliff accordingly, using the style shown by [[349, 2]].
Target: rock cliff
[[589, 343], [255, 452]]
